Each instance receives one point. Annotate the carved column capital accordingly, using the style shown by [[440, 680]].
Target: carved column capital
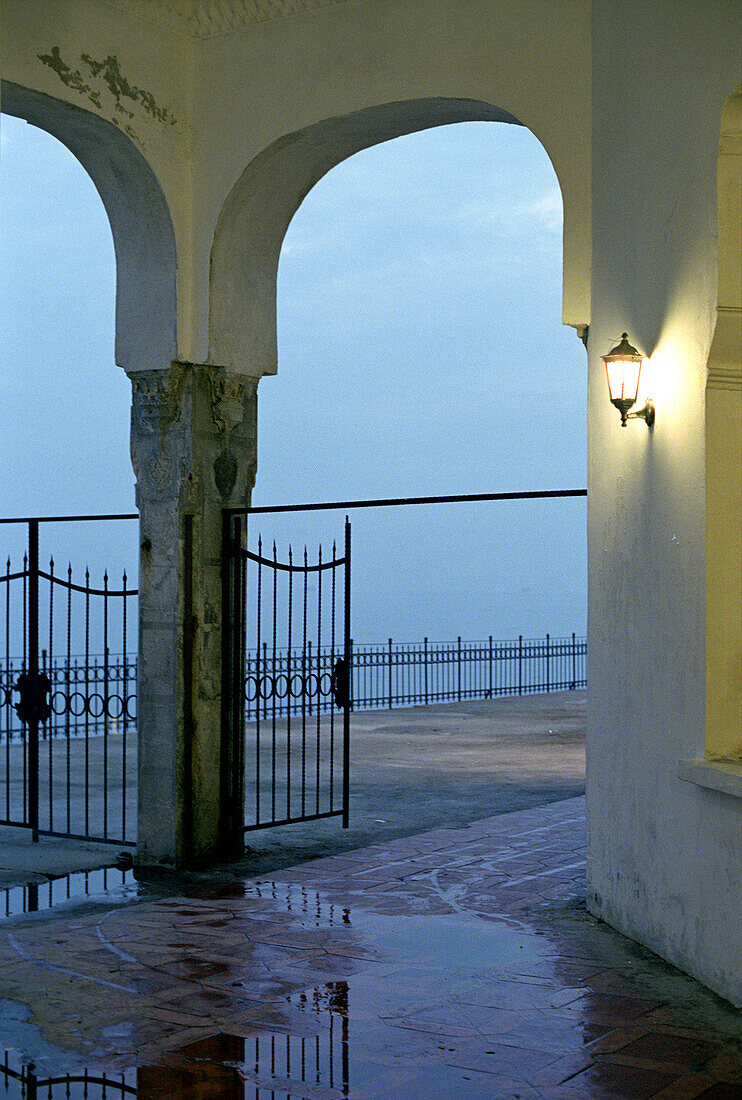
[[193, 434], [229, 391]]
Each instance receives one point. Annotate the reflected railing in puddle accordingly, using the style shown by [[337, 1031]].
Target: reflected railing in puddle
[[280, 1064], [37, 897], [299, 901], [22, 1081], [322, 1059], [275, 1064]]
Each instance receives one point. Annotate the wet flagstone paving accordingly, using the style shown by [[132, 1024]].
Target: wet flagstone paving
[[459, 964]]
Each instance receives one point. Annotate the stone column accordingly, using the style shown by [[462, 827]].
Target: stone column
[[193, 447]]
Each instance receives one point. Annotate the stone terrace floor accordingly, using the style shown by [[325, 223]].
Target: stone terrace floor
[[458, 963]]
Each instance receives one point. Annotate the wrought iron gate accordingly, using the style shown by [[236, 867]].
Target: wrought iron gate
[[68, 751], [292, 758]]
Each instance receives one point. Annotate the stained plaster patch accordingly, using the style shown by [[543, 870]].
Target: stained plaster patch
[[107, 88]]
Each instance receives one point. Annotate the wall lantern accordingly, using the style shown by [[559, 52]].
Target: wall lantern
[[623, 368]]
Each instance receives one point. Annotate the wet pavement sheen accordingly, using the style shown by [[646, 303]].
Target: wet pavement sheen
[[459, 963]]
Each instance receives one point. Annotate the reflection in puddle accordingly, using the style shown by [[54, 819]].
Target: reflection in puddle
[[276, 1064], [37, 897], [298, 901], [295, 1045], [22, 1081]]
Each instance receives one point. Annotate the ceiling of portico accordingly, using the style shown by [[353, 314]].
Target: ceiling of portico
[[204, 18]]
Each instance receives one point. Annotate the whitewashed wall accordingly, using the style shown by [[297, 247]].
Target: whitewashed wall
[[665, 856]]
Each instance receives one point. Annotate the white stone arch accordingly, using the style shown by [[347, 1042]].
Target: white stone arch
[[724, 459], [143, 236], [257, 212]]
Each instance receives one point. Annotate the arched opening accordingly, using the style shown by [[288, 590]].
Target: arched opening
[[418, 287], [58, 274], [89, 274], [140, 222], [89, 270], [458, 448], [256, 214], [724, 461]]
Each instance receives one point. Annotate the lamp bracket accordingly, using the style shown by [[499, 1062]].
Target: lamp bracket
[[646, 413]]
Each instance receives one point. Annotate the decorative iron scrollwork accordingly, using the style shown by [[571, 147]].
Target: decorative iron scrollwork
[[341, 683], [34, 703]]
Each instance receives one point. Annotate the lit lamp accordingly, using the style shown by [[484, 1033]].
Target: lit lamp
[[623, 368]]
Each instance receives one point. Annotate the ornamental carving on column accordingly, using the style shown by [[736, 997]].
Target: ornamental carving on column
[[157, 441], [228, 395], [193, 432], [157, 400]]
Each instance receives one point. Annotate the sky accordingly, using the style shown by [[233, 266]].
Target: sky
[[420, 351]]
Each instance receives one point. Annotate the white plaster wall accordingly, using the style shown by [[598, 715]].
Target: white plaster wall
[[665, 856], [233, 95], [529, 58], [150, 59]]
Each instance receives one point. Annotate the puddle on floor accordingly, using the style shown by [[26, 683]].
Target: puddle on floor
[[320, 1040], [105, 883], [429, 943], [408, 1012], [311, 1060]]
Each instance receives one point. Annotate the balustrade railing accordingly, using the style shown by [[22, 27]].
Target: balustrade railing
[[401, 674]]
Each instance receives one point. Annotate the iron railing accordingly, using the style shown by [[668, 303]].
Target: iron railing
[[67, 707], [403, 674], [79, 686], [299, 772], [383, 675], [68, 748]]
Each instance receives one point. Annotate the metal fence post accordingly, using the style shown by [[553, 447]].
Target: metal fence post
[[32, 668], [309, 674], [349, 694], [232, 765], [351, 662], [547, 663], [490, 667], [426, 670], [390, 674], [520, 664], [458, 667], [574, 662], [30, 1080]]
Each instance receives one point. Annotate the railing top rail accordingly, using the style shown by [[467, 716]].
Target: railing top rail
[[13, 576], [86, 589], [326, 505], [69, 519], [294, 567], [387, 502]]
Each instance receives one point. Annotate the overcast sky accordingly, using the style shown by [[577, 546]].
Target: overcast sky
[[420, 351]]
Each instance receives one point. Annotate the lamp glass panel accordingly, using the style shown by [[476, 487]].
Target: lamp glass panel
[[623, 378]]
